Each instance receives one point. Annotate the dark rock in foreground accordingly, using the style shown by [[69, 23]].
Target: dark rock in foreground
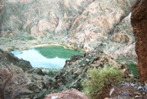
[[69, 94], [139, 23], [133, 89]]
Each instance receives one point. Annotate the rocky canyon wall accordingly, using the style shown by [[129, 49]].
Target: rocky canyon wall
[[83, 24], [39, 18]]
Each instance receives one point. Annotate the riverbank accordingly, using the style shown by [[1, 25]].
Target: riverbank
[[8, 44]]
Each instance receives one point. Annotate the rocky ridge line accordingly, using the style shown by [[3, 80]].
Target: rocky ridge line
[[78, 24]]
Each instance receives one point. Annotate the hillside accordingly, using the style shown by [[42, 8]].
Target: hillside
[[101, 27], [78, 24]]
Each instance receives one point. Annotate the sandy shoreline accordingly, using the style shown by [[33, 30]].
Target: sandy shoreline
[[42, 45], [7, 45]]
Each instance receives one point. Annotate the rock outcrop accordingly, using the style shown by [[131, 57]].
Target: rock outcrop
[[69, 94], [10, 59], [74, 71], [17, 81], [139, 23]]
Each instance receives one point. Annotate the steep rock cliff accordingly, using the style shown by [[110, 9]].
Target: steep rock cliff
[[139, 23]]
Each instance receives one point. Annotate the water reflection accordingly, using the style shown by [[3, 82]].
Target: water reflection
[[37, 60]]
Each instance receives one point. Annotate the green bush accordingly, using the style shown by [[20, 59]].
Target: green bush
[[30, 38], [100, 79]]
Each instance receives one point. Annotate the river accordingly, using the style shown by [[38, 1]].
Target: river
[[46, 57]]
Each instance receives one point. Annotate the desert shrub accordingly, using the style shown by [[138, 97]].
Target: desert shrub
[[30, 38], [99, 80]]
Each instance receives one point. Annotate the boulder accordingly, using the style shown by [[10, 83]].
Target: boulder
[[69, 94], [139, 23], [11, 59]]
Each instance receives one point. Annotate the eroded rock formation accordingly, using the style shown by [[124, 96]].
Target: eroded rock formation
[[139, 23]]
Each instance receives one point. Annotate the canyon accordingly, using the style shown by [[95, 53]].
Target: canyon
[[100, 28], [78, 24]]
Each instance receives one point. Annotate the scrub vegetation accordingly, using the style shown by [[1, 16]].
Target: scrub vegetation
[[99, 80]]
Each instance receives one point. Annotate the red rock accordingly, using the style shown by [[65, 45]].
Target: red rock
[[69, 94], [139, 24]]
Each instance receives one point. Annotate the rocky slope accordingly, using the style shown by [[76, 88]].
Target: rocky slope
[[101, 27], [17, 78], [45, 21], [80, 23], [18, 81]]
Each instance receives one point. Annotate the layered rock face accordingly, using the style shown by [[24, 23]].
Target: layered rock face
[[139, 23], [80, 23]]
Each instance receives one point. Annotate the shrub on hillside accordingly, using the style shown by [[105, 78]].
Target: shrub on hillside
[[99, 80]]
